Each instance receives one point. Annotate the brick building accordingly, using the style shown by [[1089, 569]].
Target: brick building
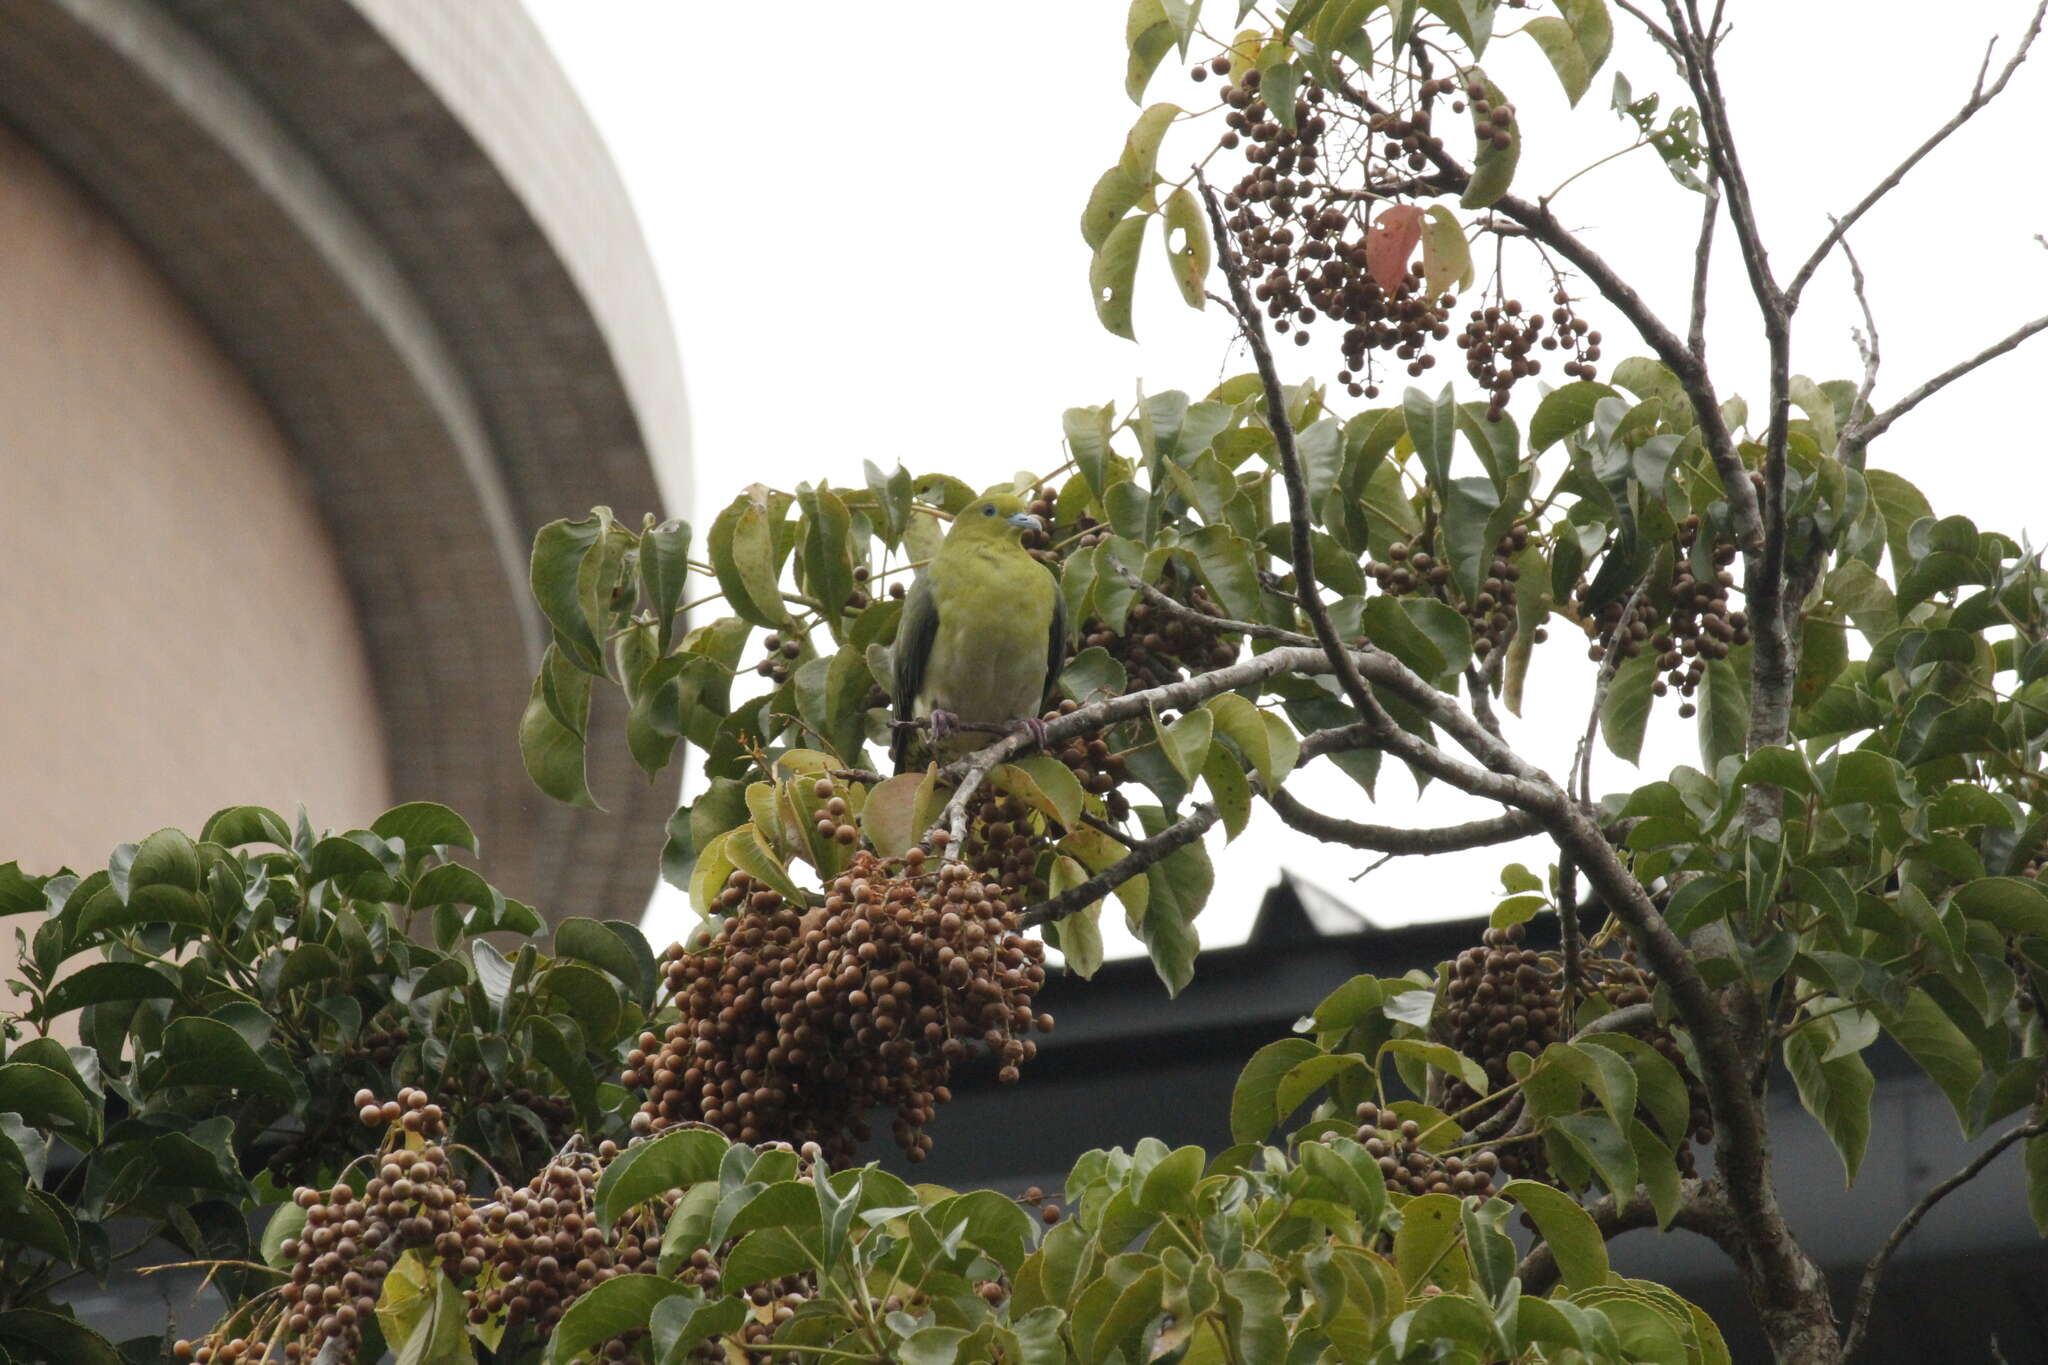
[[310, 313]]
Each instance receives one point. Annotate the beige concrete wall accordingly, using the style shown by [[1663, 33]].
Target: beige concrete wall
[[175, 632]]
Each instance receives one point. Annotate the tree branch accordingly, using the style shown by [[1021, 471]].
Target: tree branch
[[1703, 254], [1399, 840], [1866, 1292], [1143, 854], [1867, 347], [1879, 424], [1299, 519], [1980, 96]]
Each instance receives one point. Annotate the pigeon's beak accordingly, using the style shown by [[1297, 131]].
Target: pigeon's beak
[[1025, 521]]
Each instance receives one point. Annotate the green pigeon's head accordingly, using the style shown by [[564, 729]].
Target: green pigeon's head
[[994, 516]]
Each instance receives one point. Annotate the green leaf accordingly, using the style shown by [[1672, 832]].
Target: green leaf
[[1148, 36], [556, 576], [38, 1334], [742, 548], [1598, 1142], [1112, 273], [1444, 1059], [1195, 254], [748, 850], [1723, 711], [1115, 194], [1432, 429], [664, 568], [1087, 433], [673, 1160], [681, 1322], [1229, 790], [99, 982], [2036, 1157], [1625, 715], [205, 1052], [239, 825], [1186, 743], [1901, 504], [1943, 1051], [1078, 936], [1045, 784], [1493, 168], [625, 1303], [1141, 144], [1252, 1103], [827, 561], [551, 731], [1177, 887], [1169, 1186], [2016, 905], [1564, 410], [1837, 1091]]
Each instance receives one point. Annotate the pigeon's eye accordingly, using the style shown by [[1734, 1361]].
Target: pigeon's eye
[[988, 509]]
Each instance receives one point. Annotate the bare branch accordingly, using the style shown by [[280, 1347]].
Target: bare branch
[[1399, 840], [1143, 854], [1299, 520], [1703, 255], [1868, 431], [1866, 1292], [1980, 95], [1866, 346], [1482, 700], [1655, 29]]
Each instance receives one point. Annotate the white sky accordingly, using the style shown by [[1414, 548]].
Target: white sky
[[865, 223]]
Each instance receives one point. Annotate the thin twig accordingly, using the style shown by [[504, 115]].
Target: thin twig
[[1570, 932], [1866, 1292], [1980, 95], [1878, 425], [1401, 841], [1866, 346], [1143, 855], [1299, 519], [1703, 255]]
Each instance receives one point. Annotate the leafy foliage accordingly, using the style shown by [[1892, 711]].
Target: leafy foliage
[[596, 1153]]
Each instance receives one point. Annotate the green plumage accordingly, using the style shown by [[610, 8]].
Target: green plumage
[[983, 633]]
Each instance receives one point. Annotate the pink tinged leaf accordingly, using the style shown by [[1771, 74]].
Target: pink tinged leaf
[[1390, 244]]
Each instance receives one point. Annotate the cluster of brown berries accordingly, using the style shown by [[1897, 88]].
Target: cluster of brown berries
[[861, 596], [1308, 240], [1501, 998], [1408, 569], [546, 1246], [1158, 647], [1035, 1198], [1409, 1168], [1696, 628], [780, 659], [349, 1240], [795, 1023], [831, 817], [1004, 839], [1501, 341], [1098, 770]]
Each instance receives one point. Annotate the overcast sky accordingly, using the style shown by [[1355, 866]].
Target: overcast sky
[[865, 222]]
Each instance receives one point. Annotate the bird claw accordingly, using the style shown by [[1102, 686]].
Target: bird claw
[[942, 724], [1034, 727]]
